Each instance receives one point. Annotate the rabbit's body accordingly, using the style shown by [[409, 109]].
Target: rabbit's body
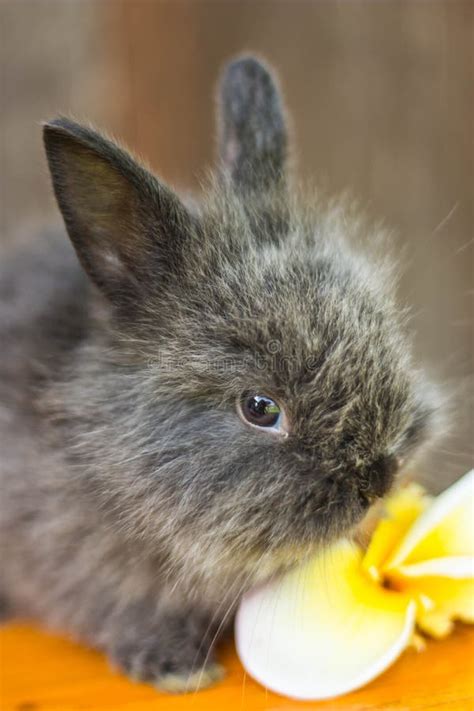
[[137, 505]]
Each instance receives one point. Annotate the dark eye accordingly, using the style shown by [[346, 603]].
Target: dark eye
[[262, 411]]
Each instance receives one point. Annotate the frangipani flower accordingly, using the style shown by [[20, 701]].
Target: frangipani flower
[[340, 620]]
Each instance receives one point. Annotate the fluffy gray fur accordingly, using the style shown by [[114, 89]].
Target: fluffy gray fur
[[137, 506]]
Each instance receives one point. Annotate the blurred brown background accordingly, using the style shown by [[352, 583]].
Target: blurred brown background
[[381, 97]]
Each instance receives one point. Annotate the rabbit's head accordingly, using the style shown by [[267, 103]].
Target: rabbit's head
[[251, 392]]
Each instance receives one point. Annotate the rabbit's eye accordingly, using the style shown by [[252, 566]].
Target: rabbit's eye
[[262, 411]]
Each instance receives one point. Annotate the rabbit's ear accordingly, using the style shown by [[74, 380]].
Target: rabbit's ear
[[128, 229], [252, 135]]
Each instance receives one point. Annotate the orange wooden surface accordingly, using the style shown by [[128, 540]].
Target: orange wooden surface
[[42, 672]]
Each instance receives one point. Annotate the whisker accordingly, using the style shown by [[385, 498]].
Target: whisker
[[446, 219], [220, 626]]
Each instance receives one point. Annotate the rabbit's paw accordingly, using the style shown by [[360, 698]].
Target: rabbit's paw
[[177, 658]]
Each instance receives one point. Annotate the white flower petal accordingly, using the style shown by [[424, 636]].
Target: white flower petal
[[461, 567], [444, 530], [323, 629]]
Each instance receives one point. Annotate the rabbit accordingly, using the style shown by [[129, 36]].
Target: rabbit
[[195, 395]]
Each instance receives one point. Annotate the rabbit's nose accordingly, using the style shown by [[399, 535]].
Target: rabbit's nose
[[382, 473]]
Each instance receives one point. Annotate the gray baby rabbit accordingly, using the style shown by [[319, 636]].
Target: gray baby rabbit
[[219, 391]]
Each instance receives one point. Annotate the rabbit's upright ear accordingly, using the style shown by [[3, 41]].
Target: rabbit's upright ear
[[252, 130], [128, 229]]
